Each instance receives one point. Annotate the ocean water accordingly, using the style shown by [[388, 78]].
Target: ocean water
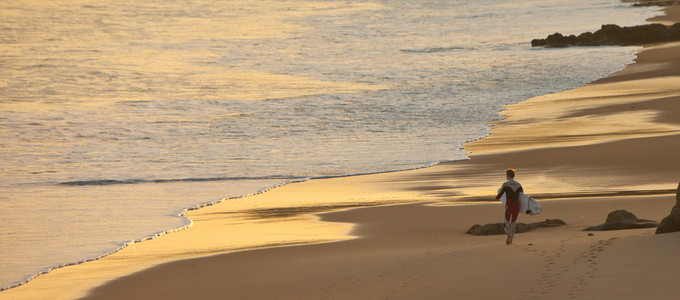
[[116, 116]]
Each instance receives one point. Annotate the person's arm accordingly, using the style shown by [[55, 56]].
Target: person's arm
[[500, 194]]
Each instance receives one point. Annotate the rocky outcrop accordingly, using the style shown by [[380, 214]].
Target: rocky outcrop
[[614, 35], [497, 228], [621, 219], [671, 223], [656, 3]]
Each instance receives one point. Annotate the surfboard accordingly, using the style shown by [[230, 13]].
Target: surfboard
[[527, 204]]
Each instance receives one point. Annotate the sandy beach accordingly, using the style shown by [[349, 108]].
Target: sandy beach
[[582, 153], [421, 252]]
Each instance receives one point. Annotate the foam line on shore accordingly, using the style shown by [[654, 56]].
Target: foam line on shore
[[188, 222]]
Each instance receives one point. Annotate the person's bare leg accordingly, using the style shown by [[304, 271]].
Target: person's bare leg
[[511, 233], [507, 232]]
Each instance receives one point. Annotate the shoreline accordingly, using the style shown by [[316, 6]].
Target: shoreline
[[486, 156], [186, 211]]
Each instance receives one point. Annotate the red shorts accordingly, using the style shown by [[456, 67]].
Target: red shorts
[[511, 211]]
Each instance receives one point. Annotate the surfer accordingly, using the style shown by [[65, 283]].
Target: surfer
[[511, 189]]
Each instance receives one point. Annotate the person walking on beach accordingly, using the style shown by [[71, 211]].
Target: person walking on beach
[[511, 189]]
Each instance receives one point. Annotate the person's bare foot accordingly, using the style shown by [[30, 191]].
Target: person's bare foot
[[508, 241]]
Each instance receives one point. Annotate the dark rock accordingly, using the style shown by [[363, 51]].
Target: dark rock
[[498, 228], [624, 225], [611, 34], [620, 216], [657, 3], [671, 223], [488, 229], [621, 219]]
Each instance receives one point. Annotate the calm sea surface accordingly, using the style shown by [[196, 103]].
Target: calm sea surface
[[115, 116]]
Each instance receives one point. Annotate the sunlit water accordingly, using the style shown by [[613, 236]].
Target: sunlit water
[[115, 116]]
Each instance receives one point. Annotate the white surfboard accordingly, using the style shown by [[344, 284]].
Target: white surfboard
[[527, 204]]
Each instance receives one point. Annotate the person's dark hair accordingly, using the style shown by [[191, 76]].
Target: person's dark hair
[[511, 173]]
